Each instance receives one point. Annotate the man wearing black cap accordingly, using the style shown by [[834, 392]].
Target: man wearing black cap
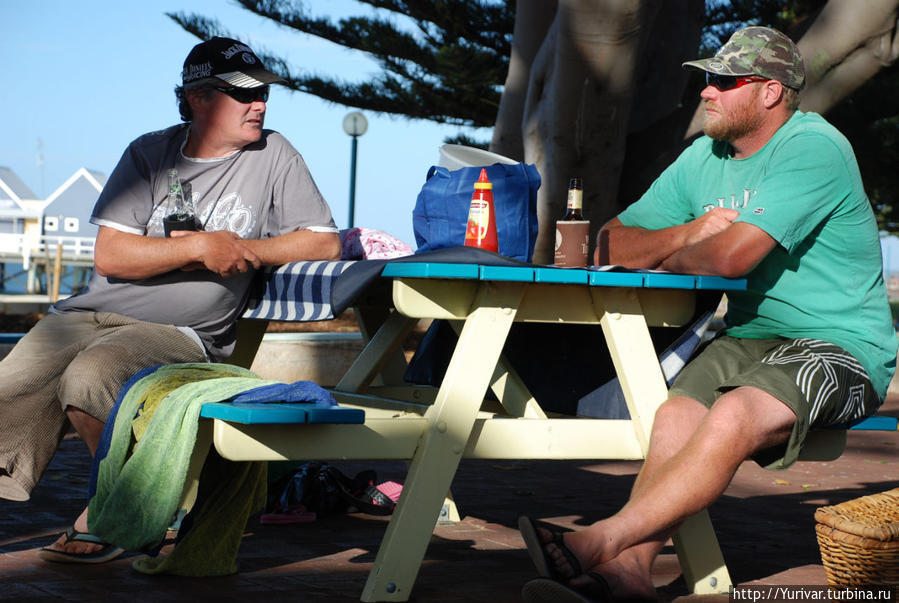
[[774, 195], [157, 299]]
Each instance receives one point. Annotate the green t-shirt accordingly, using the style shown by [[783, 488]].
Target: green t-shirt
[[825, 278]]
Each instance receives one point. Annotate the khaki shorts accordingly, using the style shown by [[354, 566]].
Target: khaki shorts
[[78, 359], [821, 382]]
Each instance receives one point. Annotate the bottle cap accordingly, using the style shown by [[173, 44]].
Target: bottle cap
[[483, 182]]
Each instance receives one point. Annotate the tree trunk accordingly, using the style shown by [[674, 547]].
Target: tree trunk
[[533, 19], [578, 106], [848, 43], [581, 102]]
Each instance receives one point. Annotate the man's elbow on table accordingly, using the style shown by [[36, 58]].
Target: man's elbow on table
[[302, 245], [330, 246], [715, 266], [296, 246], [727, 256], [632, 247], [603, 254], [736, 251]]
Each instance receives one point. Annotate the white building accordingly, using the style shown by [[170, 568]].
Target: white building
[[33, 232]]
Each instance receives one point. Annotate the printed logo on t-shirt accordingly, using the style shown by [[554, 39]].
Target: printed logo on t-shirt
[[228, 213], [733, 202]]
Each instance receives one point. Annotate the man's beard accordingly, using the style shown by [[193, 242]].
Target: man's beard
[[742, 120]]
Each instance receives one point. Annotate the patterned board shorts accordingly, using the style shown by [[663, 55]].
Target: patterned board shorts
[[821, 382]]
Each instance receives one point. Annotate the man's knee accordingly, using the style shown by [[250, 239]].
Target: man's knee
[[92, 381], [754, 414], [676, 420], [679, 410]]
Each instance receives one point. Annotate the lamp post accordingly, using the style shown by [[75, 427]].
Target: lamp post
[[355, 125]]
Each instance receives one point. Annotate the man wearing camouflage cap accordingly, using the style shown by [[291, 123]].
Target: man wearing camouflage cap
[[773, 195]]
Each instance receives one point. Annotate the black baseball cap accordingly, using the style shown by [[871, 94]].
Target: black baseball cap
[[230, 61]]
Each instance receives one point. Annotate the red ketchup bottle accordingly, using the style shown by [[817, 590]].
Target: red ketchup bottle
[[481, 229]]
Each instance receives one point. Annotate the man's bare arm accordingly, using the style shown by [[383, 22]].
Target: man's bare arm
[[296, 246], [131, 256], [634, 247], [733, 252], [125, 255]]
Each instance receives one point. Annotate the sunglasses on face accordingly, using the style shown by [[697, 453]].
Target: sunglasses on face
[[246, 95], [729, 82]]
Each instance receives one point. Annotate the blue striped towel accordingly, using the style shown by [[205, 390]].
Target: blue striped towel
[[298, 291]]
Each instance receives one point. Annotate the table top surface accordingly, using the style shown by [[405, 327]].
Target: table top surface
[[598, 276]]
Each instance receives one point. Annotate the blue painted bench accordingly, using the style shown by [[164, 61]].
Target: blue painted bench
[[872, 423], [281, 413]]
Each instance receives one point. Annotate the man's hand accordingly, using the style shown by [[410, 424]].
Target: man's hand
[[132, 256], [220, 251], [710, 223]]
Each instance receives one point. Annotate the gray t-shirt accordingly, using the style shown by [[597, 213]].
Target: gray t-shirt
[[261, 191]]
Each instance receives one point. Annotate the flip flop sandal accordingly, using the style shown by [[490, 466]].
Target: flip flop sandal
[[545, 590], [546, 567], [107, 552]]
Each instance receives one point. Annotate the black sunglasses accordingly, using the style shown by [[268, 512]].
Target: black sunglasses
[[246, 95], [729, 82]]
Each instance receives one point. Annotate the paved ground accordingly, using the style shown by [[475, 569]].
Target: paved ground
[[764, 522]]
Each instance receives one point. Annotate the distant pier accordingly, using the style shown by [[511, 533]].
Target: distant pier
[[51, 267]]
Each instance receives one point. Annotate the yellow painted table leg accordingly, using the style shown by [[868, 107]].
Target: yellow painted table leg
[[379, 351], [700, 556], [437, 457], [645, 389]]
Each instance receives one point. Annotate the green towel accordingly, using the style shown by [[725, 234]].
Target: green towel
[[229, 493], [137, 495]]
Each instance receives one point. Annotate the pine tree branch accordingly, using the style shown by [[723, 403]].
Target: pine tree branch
[[446, 74]]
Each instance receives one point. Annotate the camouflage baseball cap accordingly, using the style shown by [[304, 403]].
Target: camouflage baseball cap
[[757, 51]]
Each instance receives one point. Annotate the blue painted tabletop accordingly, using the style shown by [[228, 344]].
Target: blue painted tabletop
[[599, 276]]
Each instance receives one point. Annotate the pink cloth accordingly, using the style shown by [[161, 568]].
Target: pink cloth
[[392, 490], [370, 244]]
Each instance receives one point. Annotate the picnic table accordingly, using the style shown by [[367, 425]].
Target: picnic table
[[434, 428]]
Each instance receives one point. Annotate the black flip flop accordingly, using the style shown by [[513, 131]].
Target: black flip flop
[[537, 550], [107, 552]]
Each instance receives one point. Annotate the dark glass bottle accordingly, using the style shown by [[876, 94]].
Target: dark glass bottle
[[574, 211]]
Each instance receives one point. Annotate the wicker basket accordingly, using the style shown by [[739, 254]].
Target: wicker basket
[[859, 540]]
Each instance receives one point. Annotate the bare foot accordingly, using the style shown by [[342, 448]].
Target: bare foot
[[76, 547], [586, 545], [577, 546], [627, 578]]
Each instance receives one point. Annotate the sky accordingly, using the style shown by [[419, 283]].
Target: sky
[[84, 78]]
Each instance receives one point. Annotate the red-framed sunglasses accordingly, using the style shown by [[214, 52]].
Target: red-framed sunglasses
[[729, 82]]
